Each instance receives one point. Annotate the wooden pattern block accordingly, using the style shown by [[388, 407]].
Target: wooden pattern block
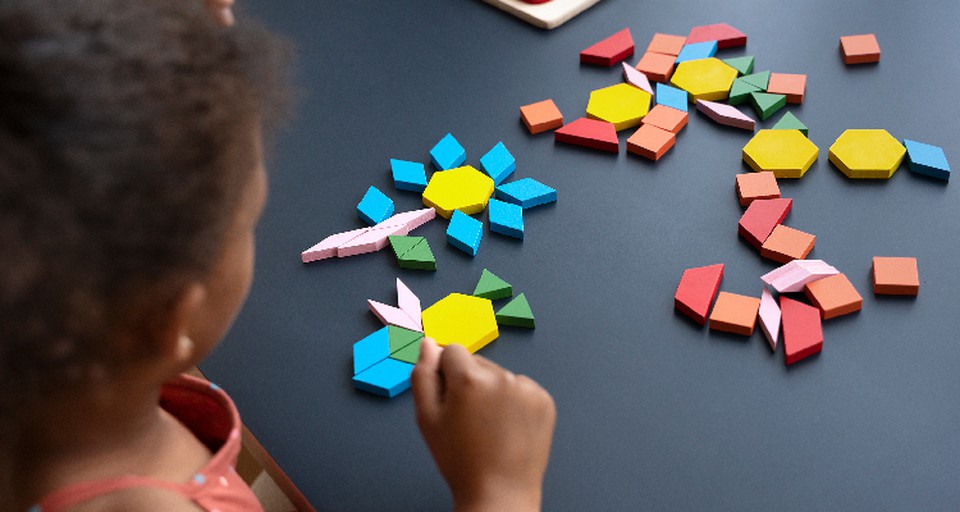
[[794, 276], [793, 86], [704, 79], [410, 353], [370, 239], [464, 188], [657, 66], [785, 153], [666, 44], [609, 51], [740, 92], [834, 295], [672, 97], [375, 207], [465, 233], [760, 219], [860, 49], [697, 51], [636, 78], [547, 14], [651, 142], [388, 378], [506, 218], [400, 338], [698, 286], [589, 133], [925, 159], [448, 153], [767, 104], [790, 122], [408, 176], [802, 330], [726, 115], [735, 313], [491, 286], [461, 319], [666, 118], [371, 350], [895, 276], [785, 244], [743, 65], [623, 105], [756, 185], [498, 163], [725, 35], [527, 193], [867, 154], [541, 116], [769, 318], [517, 313], [760, 79], [419, 258]]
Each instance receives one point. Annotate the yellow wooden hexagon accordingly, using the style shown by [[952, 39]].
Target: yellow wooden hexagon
[[463, 188], [867, 154], [623, 105], [786, 153], [462, 319], [704, 79]]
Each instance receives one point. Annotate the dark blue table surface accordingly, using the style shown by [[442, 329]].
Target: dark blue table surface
[[655, 413]]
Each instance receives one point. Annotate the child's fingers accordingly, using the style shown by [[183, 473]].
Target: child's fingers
[[221, 11], [426, 381]]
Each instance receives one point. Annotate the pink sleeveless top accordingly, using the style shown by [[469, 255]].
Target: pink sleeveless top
[[210, 414]]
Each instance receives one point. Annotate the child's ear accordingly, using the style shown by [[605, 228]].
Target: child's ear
[[174, 338]]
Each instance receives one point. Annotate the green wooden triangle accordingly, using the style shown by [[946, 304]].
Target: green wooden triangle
[[760, 79], [400, 337], [740, 91], [492, 287], [419, 258], [410, 353], [790, 122], [744, 65], [767, 104], [517, 313], [402, 244]]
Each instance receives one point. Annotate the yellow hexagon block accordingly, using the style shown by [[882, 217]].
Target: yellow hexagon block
[[462, 319], [867, 154], [785, 153], [623, 105], [463, 188], [704, 79]]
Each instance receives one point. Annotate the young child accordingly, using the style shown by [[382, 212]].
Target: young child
[[131, 181]]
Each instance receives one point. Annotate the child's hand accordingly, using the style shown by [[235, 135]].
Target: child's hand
[[221, 11], [488, 429]]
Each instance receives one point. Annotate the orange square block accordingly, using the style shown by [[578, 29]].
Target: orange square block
[[650, 142], [735, 313], [756, 185], [666, 44], [786, 244], [657, 66], [895, 276], [834, 295], [666, 118], [541, 116], [790, 85], [860, 49]]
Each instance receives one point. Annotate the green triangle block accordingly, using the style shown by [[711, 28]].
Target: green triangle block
[[760, 79], [419, 258], [744, 65], [410, 353], [517, 313], [402, 244], [492, 287], [400, 337], [790, 122], [767, 104], [740, 91]]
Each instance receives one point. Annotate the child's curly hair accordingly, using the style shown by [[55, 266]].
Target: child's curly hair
[[125, 142]]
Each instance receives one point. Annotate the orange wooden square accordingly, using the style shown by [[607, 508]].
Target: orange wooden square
[[541, 116], [735, 313], [786, 244], [756, 185], [834, 295], [650, 142], [667, 118], [895, 276], [790, 85], [666, 44], [860, 49], [657, 66]]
